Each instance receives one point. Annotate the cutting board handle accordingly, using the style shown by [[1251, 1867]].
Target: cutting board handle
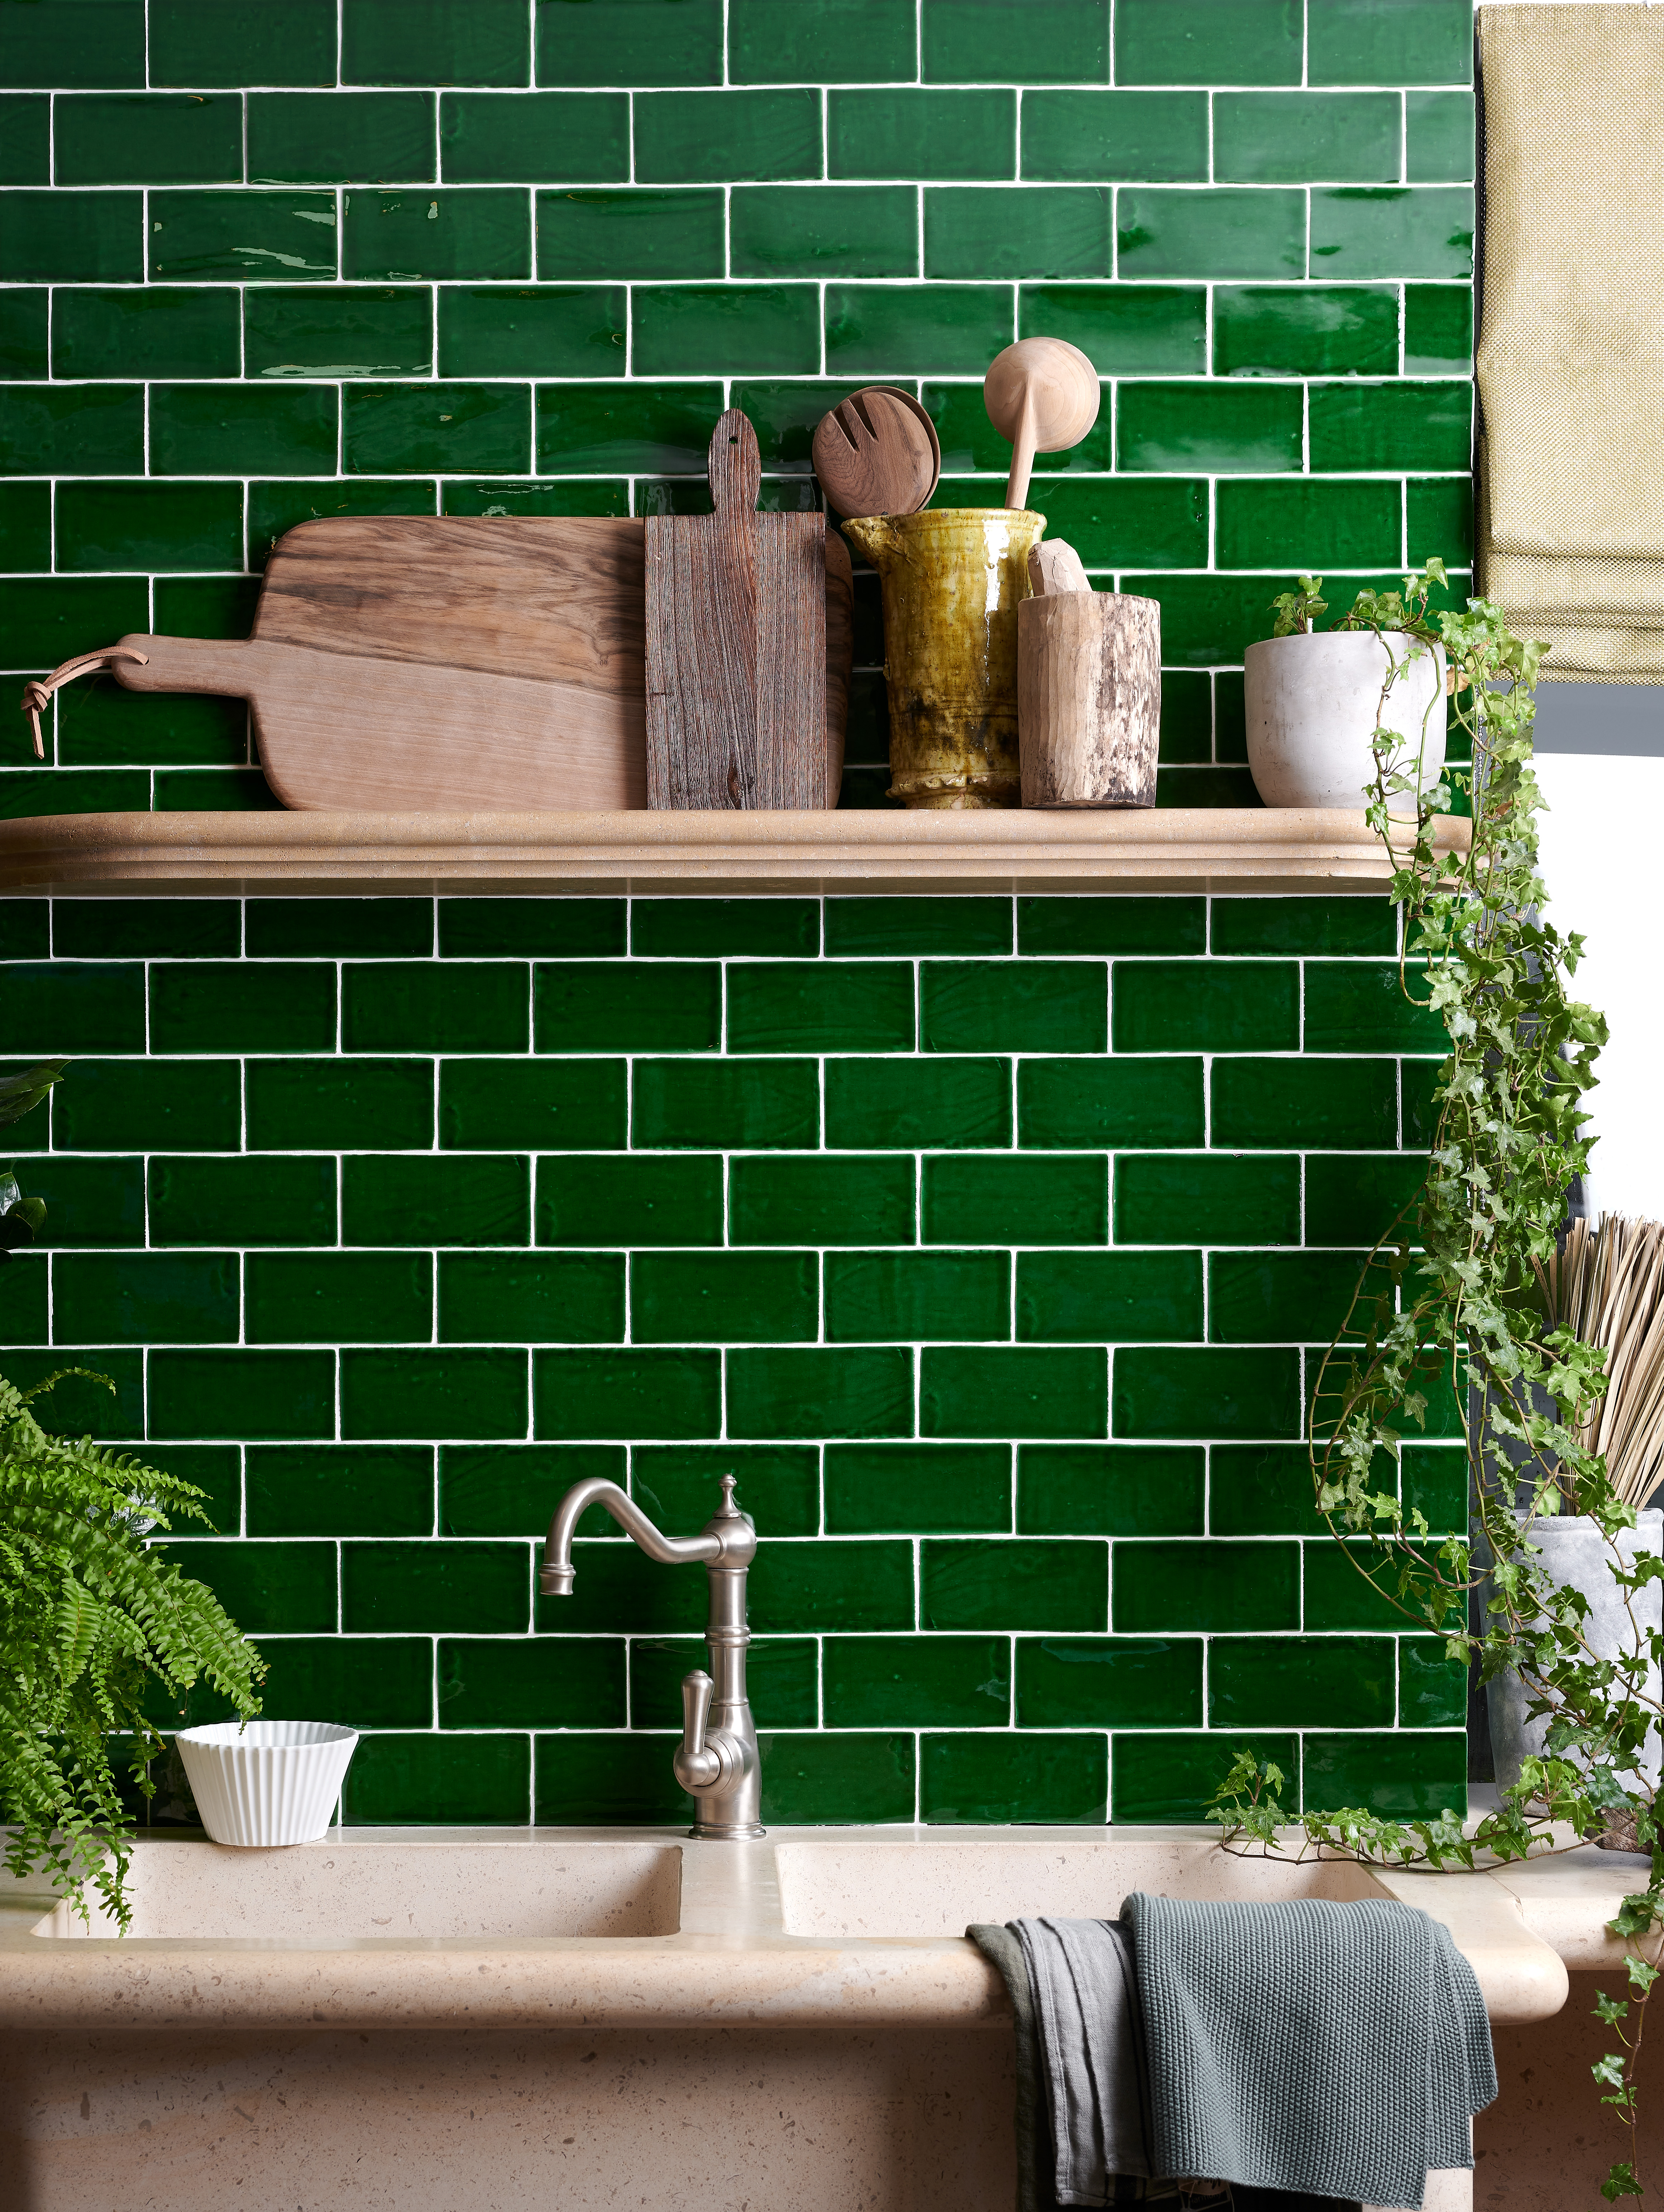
[[227, 665], [734, 465]]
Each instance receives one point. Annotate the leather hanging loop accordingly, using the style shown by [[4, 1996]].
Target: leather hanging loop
[[37, 695]]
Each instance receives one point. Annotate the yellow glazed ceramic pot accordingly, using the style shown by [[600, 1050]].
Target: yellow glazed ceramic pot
[[952, 577]]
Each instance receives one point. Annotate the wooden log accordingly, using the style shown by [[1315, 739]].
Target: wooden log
[[1088, 698]]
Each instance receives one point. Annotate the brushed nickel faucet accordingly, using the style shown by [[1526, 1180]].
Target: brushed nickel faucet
[[716, 1761]]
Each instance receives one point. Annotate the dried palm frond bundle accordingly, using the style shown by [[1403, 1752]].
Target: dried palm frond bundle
[[1608, 1284]]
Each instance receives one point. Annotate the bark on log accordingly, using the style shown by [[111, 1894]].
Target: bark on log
[[1089, 698]]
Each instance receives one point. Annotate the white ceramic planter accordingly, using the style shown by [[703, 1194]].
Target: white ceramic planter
[[1574, 1550], [266, 1781], [1314, 701]]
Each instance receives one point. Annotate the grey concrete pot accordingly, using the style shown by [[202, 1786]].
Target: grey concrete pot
[[1575, 1552], [1313, 700]]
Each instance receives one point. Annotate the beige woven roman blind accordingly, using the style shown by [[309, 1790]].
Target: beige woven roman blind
[[1572, 346]]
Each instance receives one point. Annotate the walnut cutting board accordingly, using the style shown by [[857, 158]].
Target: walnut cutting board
[[406, 664], [737, 605]]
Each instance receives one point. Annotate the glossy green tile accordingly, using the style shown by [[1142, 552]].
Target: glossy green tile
[[1359, 1007], [1303, 925], [522, 928], [1161, 1779], [1438, 329], [139, 1297], [779, 1485], [594, 1007], [341, 1490], [433, 41], [1154, 137], [52, 237], [540, 138], [918, 1102], [150, 1106], [1111, 1490], [497, 1682], [1111, 925], [271, 237], [1334, 330], [1032, 1006], [629, 233], [599, 1199], [1281, 1297], [616, 1587], [416, 1394], [246, 1397], [1206, 620], [721, 329], [58, 1006], [213, 790], [724, 1298], [26, 138], [1098, 1297], [943, 1490], [649, 427], [480, 231], [629, 42], [372, 1682], [1227, 427], [216, 606], [1220, 1586], [437, 426], [853, 1775], [25, 929], [785, 416], [242, 1201], [915, 329], [336, 928], [288, 1588], [99, 428], [1014, 1778], [716, 928], [231, 429], [548, 330], [427, 1588], [1404, 1774], [1439, 134], [528, 1105], [573, 496], [1031, 41], [340, 1105], [1015, 1199], [1435, 1479], [441, 1198], [146, 929], [148, 526], [719, 137], [147, 138], [1208, 42], [511, 1490], [1355, 42], [879, 925], [917, 1294], [1277, 137], [1108, 1682], [1134, 330], [904, 131], [1228, 231], [341, 137], [24, 318], [1392, 426], [825, 1007], [685, 1104], [933, 1681], [1006, 1583], [1439, 519], [399, 1779], [865, 40], [1177, 1391], [204, 42], [1351, 524], [160, 331], [607, 1779], [89, 1202], [1354, 1197], [339, 1298], [991, 1391], [416, 1006], [1111, 522], [1432, 1690], [628, 1393], [351, 332], [23, 1300], [841, 1200], [817, 230], [235, 1006], [1177, 1006], [1426, 230], [1282, 1102], [1055, 231], [1067, 1103], [1263, 1490], [969, 442], [820, 1392]]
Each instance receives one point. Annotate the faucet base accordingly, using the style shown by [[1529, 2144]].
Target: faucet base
[[738, 1831]]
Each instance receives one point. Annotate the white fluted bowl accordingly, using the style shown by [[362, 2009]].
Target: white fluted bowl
[[266, 1781]]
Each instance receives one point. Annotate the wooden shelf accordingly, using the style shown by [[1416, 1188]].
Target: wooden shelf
[[1168, 849]]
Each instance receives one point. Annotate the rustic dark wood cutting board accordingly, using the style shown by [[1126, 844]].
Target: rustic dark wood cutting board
[[737, 646]]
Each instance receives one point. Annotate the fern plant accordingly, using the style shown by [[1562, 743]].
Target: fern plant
[[89, 1617]]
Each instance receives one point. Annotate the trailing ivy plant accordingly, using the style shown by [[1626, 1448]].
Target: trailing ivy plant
[[90, 1617], [1450, 1313]]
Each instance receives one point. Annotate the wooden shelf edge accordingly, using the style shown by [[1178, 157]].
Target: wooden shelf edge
[[1172, 848]]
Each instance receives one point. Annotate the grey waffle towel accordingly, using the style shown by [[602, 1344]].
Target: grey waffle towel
[[1334, 2049]]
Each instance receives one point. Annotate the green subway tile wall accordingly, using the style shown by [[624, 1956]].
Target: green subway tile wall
[[980, 1239], [986, 1241], [262, 260]]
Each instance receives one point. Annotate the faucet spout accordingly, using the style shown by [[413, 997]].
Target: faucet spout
[[717, 1761]]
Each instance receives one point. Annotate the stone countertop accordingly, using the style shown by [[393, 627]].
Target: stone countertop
[[808, 1927]]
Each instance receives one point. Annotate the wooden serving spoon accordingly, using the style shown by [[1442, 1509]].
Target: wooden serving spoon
[[877, 453], [1042, 394]]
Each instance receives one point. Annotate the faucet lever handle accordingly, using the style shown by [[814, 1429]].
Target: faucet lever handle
[[696, 1692]]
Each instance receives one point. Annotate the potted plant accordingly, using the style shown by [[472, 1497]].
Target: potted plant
[[1321, 703], [90, 1617]]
